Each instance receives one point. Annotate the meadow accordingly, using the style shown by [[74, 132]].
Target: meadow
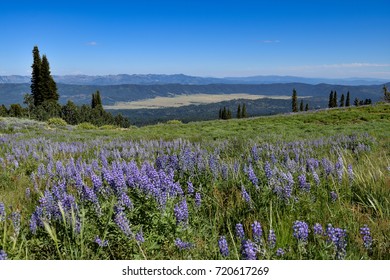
[[312, 185]]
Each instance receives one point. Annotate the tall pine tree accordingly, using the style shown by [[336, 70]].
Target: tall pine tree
[[334, 102], [244, 114], [294, 101], [35, 77], [239, 111], [342, 100], [301, 106], [47, 85], [348, 100], [330, 103]]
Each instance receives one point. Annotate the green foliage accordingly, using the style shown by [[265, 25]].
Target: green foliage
[[301, 106], [15, 110], [294, 101], [36, 77], [3, 111], [56, 122], [342, 100], [386, 94], [86, 125], [174, 122], [348, 100], [70, 112], [239, 116]]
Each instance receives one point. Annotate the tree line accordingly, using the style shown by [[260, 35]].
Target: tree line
[[226, 114], [42, 104]]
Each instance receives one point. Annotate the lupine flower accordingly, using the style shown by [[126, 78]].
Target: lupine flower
[[139, 236], [280, 252], [317, 229], [257, 231], [181, 212], [190, 187], [366, 236], [333, 196], [316, 178], [271, 239], [267, 170], [245, 194], [248, 250], [338, 237], [182, 245], [302, 182], [101, 243], [121, 221], [2, 212], [223, 246], [252, 176], [198, 199], [339, 166], [15, 217], [301, 231], [240, 231], [3, 255], [350, 173]]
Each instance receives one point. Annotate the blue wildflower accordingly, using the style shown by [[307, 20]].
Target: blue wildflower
[[139, 236], [121, 221], [366, 236], [3, 255], [301, 231], [223, 246], [2, 212], [101, 243], [257, 231], [248, 250], [182, 245], [317, 229], [240, 231], [198, 199], [245, 195], [181, 212], [280, 252], [271, 239], [333, 196], [338, 237]]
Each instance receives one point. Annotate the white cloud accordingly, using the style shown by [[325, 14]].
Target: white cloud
[[92, 43]]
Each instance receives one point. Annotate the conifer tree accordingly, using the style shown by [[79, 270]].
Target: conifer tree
[[330, 103], [334, 103], [220, 113], [342, 100], [35, 77], [239, 111], [386, 94], [47, 85], [224, 113], [244, 114], [356, 102], [301, 106], [294, 101], [347, 100], [307, 107], [229, 114]]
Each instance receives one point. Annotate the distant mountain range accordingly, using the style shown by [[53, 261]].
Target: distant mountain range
[[110, 94], [157, 79]]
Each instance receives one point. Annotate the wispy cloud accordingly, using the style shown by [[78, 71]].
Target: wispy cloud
[[92, 43]]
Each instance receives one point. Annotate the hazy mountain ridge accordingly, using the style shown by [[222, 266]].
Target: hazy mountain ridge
[[159, 79], [81, 94]]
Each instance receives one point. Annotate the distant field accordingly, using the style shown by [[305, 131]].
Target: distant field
[[185, 100]]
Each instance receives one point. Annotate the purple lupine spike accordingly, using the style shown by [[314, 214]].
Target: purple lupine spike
[[280, 252], [248, 250], [366, 236], [300, 231], [182, 245], [252, 176], [339, 166], [139, 237], [223, 246], [198, 199], [3, 255], [271, 239], [190, 187], [2, 212], [333, 196], [101, 243], [268, 170], [317, 229], [15, 218], [240, 231], [181, 212], [338, 237], [257, 231], [121, 221]]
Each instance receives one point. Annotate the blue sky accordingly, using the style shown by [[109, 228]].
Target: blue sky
[[204, 38]]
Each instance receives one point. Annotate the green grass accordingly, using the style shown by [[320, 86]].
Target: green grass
[[365, 200]]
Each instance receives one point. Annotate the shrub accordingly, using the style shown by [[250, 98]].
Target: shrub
[[108, 127], [56, 122], [174, 122], [86, 125]]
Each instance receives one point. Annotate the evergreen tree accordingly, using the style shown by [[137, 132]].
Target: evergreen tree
[[334, 102], [15, 110], [342, 100], [96, 101], [3, 111], [294, 101], [239, 112], [47, 85], [35, 77], [347, 101], [356, 102], [330, 103], [243, 112], [307, 107], [229, 114], [220, 113], [224, 113], [301, 106], [386, 94], [70, 113]]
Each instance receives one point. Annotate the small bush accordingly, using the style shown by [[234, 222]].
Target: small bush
[[86, 125], [108, 127], [56, 122], [174, 122]]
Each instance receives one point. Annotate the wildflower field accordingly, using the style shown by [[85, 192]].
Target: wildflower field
[[303, 186]]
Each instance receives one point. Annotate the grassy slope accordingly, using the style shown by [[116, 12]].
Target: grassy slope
[[370, 206]]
